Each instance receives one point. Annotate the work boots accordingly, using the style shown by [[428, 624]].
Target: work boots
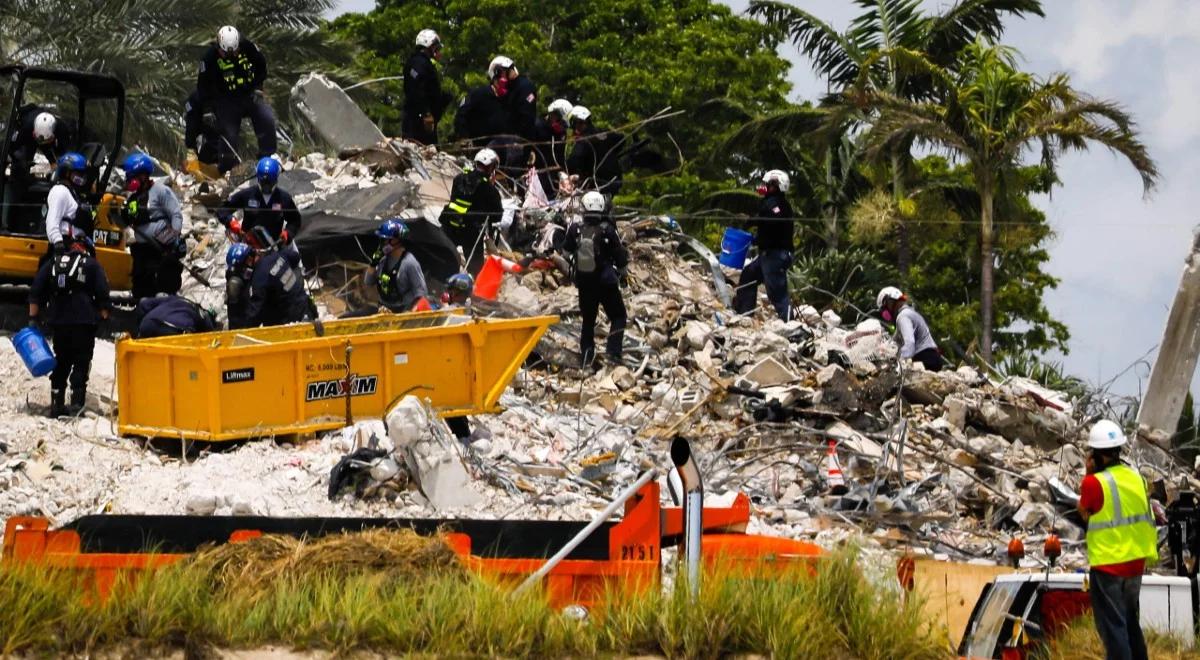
[[58, 399], [78, 401]]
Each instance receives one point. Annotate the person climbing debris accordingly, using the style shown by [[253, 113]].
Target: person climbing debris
[[230, 83], [912, 332]]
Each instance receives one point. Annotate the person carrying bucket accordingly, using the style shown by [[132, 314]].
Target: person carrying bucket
[[72, 291], [773, 235]]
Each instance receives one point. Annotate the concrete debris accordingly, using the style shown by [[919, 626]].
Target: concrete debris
[[333, 115], [939, 464]]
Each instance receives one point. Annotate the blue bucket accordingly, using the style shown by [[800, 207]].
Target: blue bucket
[[734, 246], [34, 352]]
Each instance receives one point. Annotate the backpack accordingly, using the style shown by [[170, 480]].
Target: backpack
[[68, 272], [585, 257]]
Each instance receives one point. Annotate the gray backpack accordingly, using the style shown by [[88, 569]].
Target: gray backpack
[[585, 258]]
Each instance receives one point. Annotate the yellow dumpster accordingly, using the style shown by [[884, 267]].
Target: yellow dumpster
[[285, 379]]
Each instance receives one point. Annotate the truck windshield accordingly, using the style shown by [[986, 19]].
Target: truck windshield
[[989, 624]]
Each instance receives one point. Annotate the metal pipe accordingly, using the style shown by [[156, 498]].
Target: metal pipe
[[647, 477], [693, 509]]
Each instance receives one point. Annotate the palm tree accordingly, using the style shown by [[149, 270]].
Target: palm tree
[[153, 46], [883, 27], [987, 113]]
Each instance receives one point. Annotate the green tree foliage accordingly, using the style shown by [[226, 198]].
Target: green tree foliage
[[989, 113], [154, 46], [626, 60]]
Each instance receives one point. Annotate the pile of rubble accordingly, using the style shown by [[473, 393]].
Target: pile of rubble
[[816, 421]]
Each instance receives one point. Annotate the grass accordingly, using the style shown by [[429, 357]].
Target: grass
[[280, 592], [1080, 642]]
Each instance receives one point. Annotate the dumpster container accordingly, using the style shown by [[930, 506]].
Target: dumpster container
[[282, 380]]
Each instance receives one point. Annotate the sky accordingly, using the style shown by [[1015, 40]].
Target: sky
[[1119, 254]]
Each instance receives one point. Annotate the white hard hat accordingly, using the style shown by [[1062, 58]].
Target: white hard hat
[[888, 293], [779, 178], [427, 38], [43, 127], [561, 106], [593, 202], [579, 112], [228, 38], [498, 62], [486, 158], [1106, 434]]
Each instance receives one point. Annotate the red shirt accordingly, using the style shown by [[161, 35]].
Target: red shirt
[[1091, 499]]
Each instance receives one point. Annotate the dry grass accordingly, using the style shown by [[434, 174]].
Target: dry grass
[[407, 596], [1080, 642]]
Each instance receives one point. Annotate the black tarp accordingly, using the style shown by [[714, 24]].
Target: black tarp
[[342, 227]]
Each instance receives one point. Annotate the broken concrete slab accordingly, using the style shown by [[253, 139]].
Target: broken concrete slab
[[769, 372], [333, 115], [837, 389]]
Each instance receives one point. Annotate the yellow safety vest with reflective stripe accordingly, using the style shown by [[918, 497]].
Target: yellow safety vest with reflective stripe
[[237, 73], [1123, 529]]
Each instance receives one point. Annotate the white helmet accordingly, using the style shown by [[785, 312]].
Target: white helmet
[[43, 128], [593, 202], [498, 62], [561, 106], [779, 178], [228, 38], [579, 112], [486, 158], [888, 293], [1105, 434], [427, 38]]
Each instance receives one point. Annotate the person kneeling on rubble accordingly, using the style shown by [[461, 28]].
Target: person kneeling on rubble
[[916, 342], [73, 291], [167, 315], [474, 205], [600, 266], [395, 272], [276, 292]]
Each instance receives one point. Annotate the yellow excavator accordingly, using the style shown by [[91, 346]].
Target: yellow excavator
[[96, 104]]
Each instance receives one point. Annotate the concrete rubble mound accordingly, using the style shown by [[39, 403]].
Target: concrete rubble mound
[[812, 418]]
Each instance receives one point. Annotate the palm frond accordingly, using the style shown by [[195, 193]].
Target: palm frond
[[832, 55], [967, 20]]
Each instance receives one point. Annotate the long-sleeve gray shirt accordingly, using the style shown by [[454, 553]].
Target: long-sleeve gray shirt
[[913, 332], [164, 210], [404, 283]]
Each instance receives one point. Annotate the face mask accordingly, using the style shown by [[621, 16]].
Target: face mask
[[762, 190], [266, 187], [77, 178], [133, 185], [887, 315], [501, 86], [387, 247], [557, 128]]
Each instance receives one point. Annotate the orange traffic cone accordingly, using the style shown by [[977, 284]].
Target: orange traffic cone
[[833, 471], [422, 305]]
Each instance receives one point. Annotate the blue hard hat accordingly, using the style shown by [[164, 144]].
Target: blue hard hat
[[392, 228], [460, 282], [138, 163], [238, 253], [72, 161], [267, 170]]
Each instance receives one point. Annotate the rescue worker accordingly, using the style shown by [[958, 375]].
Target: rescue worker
[[276, 293], [68, 217], [457, 295], [239, 269], [600, 266], [773, 236], [154, 213], [200, 135], [168, 315], [395, 272], [916, 342], [264, 205], [424, 101], [519, 94], [37, 130], [230, 83], [482, 117], [550, 145], [70, 294], [1121, 539], [595, 159], [474, 205]]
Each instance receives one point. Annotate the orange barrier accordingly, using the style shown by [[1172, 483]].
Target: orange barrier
[[487, 284]]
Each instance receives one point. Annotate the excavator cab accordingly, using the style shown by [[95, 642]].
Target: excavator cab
[[90, 109]]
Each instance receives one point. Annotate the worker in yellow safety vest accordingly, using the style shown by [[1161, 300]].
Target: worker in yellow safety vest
[[1121, 538]]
